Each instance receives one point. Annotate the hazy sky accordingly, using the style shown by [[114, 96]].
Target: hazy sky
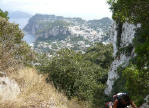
[[87, 9]]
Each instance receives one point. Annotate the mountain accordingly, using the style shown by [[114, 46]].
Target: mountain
[[103, 23], [55, 32]]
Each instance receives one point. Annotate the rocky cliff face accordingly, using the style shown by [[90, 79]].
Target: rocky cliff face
[[9, 89], [122, 35], [122, 40], [44, 27]]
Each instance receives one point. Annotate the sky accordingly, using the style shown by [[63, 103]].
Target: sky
[[86, 9]]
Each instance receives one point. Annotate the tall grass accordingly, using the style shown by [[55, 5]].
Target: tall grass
[[36, 93]]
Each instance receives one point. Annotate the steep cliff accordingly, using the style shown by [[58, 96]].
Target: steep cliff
[[123, 50], [130, 71]]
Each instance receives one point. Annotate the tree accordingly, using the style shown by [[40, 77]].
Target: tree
[[100, 54], [137, 82], [136, 12], [13, 50], [80, 75], [4, 14]]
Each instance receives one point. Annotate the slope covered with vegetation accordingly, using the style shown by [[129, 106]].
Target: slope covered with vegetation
[[13, 50], [80, 75], [134, 78]]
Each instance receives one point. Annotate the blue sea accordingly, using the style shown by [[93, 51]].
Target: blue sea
[[29, 38]]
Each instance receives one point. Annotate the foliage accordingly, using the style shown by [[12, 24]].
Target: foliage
[[69, 72], [135, 11], [130, 10], [125, 50], [137, 82], [133, 81], [100, 54], [13, 50], [119, 85], [141, 43], [136, 74], [4, 14], [79, 75]]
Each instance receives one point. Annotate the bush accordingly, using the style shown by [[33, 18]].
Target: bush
[[137, 82], [13, 50], [4, 14], [133, 81], [77, 75], [100, 54]]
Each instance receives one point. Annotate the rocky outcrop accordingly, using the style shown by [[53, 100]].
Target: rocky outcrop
[[9, 89], [124, 39], [57, 32]]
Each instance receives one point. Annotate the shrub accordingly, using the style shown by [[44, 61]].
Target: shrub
[[78, 75], [13, 50]]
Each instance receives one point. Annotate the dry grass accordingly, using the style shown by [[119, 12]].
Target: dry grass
[[36, 93]]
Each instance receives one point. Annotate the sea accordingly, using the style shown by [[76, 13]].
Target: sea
[[29, 38]]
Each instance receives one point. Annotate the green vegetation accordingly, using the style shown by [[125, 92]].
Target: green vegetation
[[133, 81], [137, 82], [80, 75], [4, 14], [136, 75], [100, 54], [125, 50], [135, 11], [13, 50]]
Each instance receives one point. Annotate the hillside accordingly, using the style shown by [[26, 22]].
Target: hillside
[[27, 89], [56, 32], [22, 85]]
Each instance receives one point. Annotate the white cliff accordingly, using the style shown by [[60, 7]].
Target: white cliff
[[127, 35]]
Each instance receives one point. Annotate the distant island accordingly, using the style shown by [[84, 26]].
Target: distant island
[[55, 32]]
